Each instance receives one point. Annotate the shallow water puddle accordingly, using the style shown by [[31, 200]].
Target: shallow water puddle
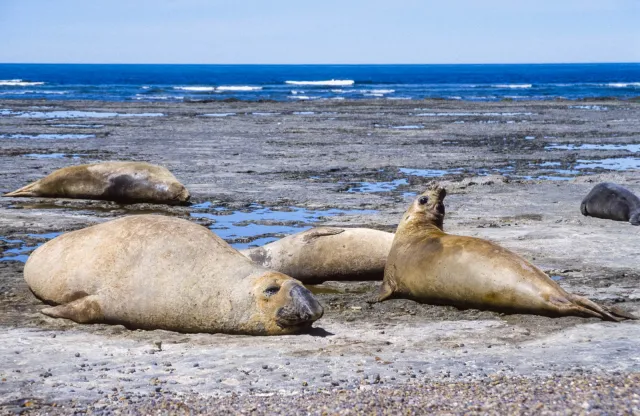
[[74, 114], [634, 148], [378, 186], [620, 163], [47, 136], [52, 155], [19, 250], [372, 187], [260, 225], [218, 114], [472, 114], [589, 107], [79, 126]]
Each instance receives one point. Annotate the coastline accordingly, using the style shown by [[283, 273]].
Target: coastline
[[320, 155]]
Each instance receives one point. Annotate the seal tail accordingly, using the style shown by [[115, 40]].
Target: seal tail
[[28, 190], [591, 308]]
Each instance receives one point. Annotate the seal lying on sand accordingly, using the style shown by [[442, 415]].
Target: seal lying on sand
[[430, 266], [327, 253], [156, 272], [111, 181], [613, 202]]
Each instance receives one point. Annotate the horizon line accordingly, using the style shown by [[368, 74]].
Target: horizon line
[[322, 64]]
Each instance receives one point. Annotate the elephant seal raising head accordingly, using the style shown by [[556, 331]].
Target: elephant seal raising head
[[126, 182], [428, 265], [156, 272], [613, 202]]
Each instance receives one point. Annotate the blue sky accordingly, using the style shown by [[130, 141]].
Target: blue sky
[[328, 31]]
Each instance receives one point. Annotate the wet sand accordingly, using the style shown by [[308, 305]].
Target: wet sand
[[509, 180]]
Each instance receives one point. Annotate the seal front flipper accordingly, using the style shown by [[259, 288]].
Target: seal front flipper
[[321, 232], [28, 190], [85, 310], [388, 287]]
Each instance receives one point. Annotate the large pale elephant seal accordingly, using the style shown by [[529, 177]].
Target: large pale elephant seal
[[156, 272], [327, 253], [112, 181], [613, 202], [428, 265]]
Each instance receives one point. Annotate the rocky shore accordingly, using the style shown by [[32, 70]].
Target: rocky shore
[[515, 171]]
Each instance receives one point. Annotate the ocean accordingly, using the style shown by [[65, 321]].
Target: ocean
[[318, 82]]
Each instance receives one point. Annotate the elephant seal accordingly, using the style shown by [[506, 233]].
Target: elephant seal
[[428, 265], [157, 272], [112, 181], [613, 202], [327, 253]]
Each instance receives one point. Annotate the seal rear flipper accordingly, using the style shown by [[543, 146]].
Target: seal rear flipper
[[83, 311], [593, 309], [28, 190]]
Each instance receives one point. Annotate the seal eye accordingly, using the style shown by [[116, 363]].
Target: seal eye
[[271, 290], [423, 200]]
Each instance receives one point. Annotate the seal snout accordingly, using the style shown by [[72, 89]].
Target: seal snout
[[302, 308]]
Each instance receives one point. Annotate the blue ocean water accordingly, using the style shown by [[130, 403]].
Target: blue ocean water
[[313, 82]]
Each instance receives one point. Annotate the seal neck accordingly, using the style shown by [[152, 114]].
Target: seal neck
[[419, 224]]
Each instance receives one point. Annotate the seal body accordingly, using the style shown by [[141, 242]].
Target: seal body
[[613, 202], [327, 253], [428, 265], [112, 181], [156, 272]]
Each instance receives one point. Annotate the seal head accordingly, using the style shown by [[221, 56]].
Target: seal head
[[285, 305]]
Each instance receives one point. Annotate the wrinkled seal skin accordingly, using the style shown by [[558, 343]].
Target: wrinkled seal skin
[[428, 265], [126, 182], [156, 272], [612, 202], [327, 253]]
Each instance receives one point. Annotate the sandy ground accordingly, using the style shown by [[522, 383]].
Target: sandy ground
[[418, 357]]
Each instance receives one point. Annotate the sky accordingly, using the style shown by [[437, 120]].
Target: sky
[[319, 32]]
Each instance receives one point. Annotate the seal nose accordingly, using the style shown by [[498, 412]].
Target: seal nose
[[303, 308]]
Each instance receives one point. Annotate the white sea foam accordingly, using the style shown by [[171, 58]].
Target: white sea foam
[[623, 84], [303, 113], [237, 88], [300, 97], [331, 83], [380, 91], [257, 113], [18, 83], [196, 88], [152, 97], [512, 86]]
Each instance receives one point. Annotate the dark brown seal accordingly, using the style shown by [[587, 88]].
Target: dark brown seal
[[613, 202]]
